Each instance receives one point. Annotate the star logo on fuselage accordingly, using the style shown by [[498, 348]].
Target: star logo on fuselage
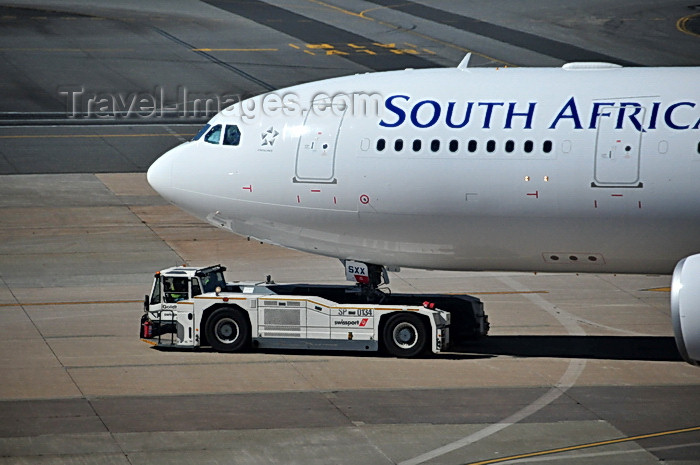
[[269, 137]]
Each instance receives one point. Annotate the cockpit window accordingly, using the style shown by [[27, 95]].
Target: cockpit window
[[213, 135], [232, 136], [201, 132]]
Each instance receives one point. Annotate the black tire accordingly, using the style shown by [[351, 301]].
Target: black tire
[[227, 330], [405, 335]]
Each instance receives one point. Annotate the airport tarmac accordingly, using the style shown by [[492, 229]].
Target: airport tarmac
[[577, 368], [571, 359]]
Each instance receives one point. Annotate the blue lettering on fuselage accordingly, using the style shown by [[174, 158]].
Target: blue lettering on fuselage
[[401, 115], [489, 111], [450, 111], [669, 113], [433, 119], [643, 116], [598, 113], [568, 111], [529, 114], [632, 117]]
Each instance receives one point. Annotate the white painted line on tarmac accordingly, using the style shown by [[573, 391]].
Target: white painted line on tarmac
[[178, 136], [568, 379]]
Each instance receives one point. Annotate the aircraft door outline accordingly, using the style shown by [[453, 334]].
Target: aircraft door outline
[[617, 151], [317, 148]]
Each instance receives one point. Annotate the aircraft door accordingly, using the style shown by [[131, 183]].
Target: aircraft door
[[316, 151], [617, 151]]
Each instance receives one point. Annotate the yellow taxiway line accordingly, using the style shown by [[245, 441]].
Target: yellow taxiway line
[[586, 446], [682, 24]]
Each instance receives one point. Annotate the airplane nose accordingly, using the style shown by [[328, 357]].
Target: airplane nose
[[160, 173]]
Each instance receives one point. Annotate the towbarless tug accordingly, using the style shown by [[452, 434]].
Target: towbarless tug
[[190, 307]]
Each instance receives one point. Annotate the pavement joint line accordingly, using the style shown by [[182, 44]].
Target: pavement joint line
[[85, 136], [125, 124], [147, 224], [173, 133], [331, 397], [363, 15], [86, 336], [94, 302], [70, 50], [587, 446], [397, 276], [215, 60], [537, 43], [69, 375], [610, 328], [567, 381], [497, 292], [635, 295], [566, 319], [235, 50], [197, 363]]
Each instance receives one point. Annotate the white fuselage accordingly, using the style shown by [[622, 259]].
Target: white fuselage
[[479, 169]]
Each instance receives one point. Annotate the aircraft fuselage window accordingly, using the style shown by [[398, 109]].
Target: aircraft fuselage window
[[201, 132], [698, 147], [213, 135], [232, 136], [472, 145]]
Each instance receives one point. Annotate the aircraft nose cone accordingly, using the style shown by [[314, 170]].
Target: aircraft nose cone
[[160, 174]]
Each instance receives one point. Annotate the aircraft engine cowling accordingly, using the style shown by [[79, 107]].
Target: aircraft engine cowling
[[685, 308]]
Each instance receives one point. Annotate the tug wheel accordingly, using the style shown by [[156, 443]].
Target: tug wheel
[[405, 335], [227, 330]]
